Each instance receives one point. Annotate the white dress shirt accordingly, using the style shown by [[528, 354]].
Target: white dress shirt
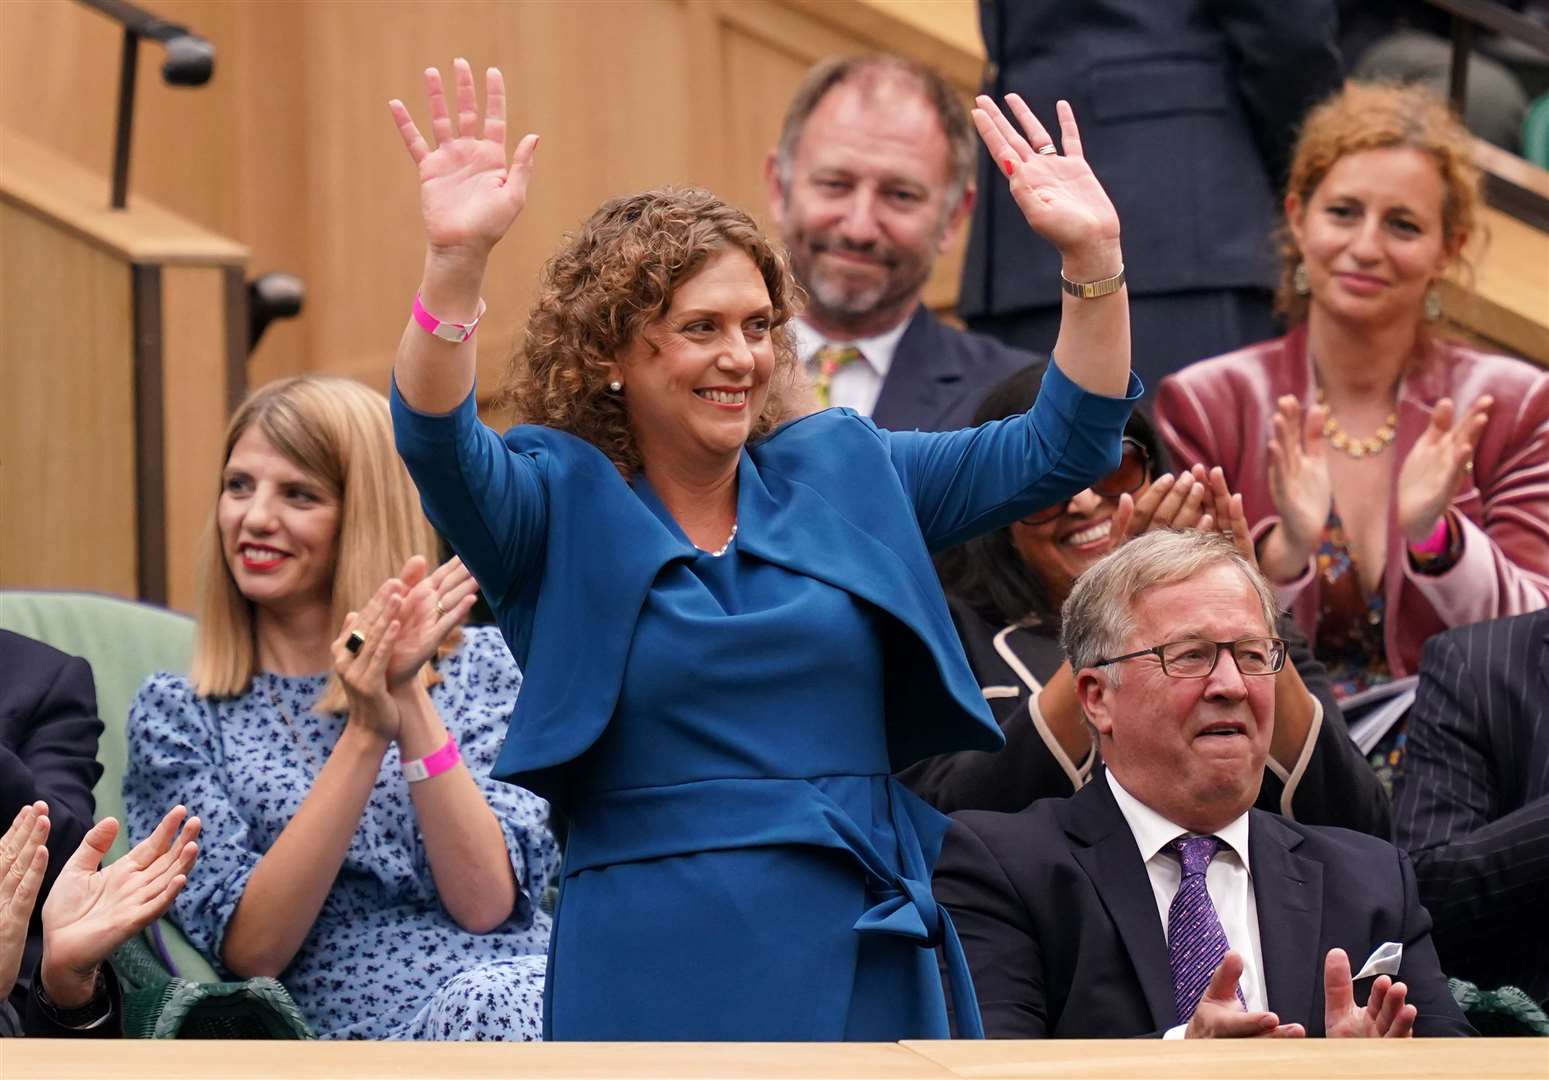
[[1228, 881], [858, 384]]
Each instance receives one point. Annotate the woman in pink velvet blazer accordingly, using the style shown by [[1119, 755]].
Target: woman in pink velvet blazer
[[1397, 484]]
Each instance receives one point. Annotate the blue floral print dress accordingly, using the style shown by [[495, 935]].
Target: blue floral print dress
[[383, 960]]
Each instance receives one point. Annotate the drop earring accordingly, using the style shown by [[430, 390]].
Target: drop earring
[[1300, 281], [1432, 304]]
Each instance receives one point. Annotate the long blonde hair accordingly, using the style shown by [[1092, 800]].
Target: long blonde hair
[[340, 433]]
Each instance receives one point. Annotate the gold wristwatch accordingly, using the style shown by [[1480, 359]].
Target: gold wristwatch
[[1088, 290]]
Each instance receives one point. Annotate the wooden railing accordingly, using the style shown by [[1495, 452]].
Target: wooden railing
[[123, 339]]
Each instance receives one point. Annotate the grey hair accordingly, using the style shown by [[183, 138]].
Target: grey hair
[[869, 72], [1099, 614]]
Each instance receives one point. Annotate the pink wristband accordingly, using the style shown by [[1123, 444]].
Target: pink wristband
[[433, 764], [1438, 543], [456, 333]]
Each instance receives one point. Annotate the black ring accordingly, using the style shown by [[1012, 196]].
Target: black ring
[[354, 642]]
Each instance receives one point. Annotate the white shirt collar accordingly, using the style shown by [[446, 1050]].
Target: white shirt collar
[[878, 350], [1153, 832]]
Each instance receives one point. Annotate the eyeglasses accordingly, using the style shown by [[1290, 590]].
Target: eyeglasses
[[1194, 658], [1131, 475]]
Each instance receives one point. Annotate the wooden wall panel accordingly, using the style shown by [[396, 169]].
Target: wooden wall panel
[[67, 481], [194, 408]]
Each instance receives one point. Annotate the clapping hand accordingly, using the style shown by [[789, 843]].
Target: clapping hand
[[362, 669], [93, 909], [1299, 481], [1385, 1016], [1057, 193], [433, 607], [1220, 1015], [469, 193], [23, 861], [1436, 465]]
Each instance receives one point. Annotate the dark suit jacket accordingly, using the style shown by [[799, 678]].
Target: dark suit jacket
[[940, 374], [1337, 786], [35, 1021], [1060, 926], [1472, 801], [48, 750], [1186, 109]]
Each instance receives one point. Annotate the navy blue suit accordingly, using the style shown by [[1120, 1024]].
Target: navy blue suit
[[1060, 926], [1471, 805], [1187, 110], [939, 374], [48, 750]]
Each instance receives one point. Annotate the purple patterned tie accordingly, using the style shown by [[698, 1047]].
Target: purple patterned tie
[[1195, 941]]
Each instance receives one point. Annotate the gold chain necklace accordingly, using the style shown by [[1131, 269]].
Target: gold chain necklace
[[1346, 443]]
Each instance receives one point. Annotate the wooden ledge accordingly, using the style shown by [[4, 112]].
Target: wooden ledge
[[36, 179]]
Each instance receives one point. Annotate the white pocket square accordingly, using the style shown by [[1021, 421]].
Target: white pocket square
[[1384, 961]]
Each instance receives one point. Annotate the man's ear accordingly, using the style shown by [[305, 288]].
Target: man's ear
[[775, 188], [1092, 693], [957, 218]]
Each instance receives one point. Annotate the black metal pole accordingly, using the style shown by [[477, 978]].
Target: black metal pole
[[1462, 44], [126, 77]]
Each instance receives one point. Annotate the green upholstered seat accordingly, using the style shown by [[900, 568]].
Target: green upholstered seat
[[124, 642]]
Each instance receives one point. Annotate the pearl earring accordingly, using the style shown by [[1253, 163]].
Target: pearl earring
[[615, 386]]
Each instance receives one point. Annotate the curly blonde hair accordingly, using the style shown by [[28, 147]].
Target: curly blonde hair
[[612, 277], [1379, 116]]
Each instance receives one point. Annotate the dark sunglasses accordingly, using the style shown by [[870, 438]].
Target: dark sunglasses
[[1131, 475]]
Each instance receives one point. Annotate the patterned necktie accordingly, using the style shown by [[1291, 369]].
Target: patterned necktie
[[1195, 940], [829, 359]]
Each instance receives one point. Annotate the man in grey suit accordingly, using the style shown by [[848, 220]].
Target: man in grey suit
[[1472, 801], [871, 181]]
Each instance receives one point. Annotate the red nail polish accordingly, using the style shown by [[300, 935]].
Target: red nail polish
[[1006, 164]]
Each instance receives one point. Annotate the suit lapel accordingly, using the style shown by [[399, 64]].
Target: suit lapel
[[1542, 663], [1288, 892], [1106, 850], [923, 380]]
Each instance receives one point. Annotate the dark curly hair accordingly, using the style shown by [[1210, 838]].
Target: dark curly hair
[[612, 277]]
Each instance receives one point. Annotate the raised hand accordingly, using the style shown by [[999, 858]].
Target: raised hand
[[1224, 512], [1436, 466], [93, 909], [1385, 1016], [1057, 192], [1299, 483], [23, 860], [433, 607], [469, 193], [363, 671], [1220, 1015]]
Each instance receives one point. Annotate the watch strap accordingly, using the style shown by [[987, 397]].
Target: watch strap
[[1088, 290]]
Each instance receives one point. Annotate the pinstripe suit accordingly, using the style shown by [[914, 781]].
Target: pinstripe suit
[[1472, 805]]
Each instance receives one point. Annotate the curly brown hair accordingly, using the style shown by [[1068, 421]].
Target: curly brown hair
[[1378, 116], [614, 276]]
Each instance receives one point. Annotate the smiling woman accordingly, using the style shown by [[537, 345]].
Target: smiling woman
[[729, 622], [1397, 483], [336, 737]]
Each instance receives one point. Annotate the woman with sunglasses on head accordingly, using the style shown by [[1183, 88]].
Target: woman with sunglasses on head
[[1005, 590]]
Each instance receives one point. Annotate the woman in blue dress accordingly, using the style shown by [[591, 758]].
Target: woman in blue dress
[[726, 612], [355, 845]]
